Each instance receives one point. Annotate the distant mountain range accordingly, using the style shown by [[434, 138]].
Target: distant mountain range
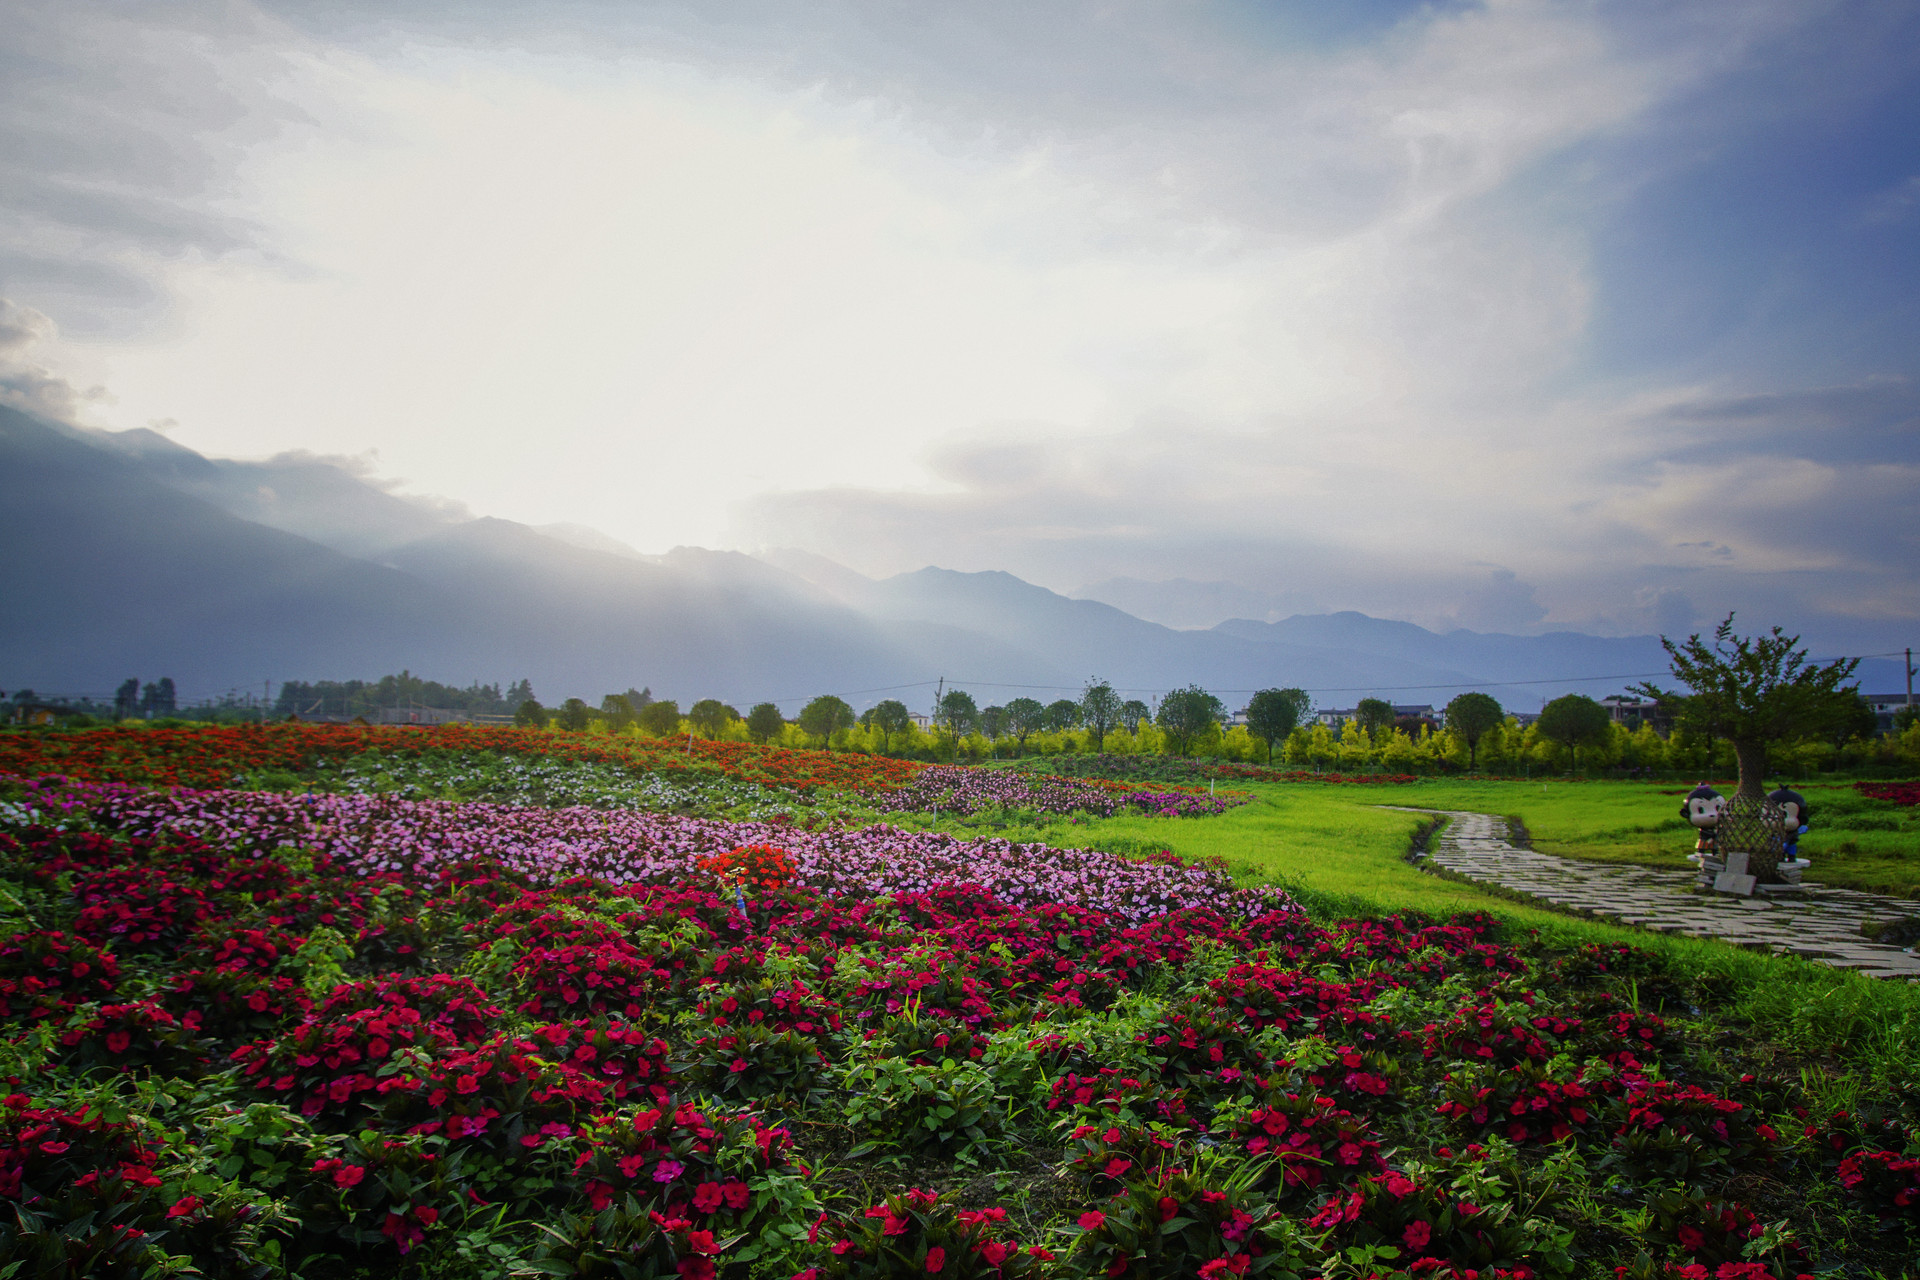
[[128, 555]]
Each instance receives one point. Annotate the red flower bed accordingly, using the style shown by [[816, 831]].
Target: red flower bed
[[211, 755], [402, 1061], [1893, 792]]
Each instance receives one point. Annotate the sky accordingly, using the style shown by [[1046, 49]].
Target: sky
[[1515, 316]]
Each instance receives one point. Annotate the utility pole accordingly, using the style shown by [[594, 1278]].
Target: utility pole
[[1909, 677]]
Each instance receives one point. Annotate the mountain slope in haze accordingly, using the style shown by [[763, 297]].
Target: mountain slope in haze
[[330, 501], [1563, 660], [131, 555], [1088, 638], [110, 573], [115, 568]]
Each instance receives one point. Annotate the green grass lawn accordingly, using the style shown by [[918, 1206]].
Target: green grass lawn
[[1855, 842]]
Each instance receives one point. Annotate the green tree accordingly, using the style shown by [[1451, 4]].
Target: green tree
[[1374, 714], [825, 716], [530, 715], [1099, 710], [1063, 713], [660, 717], [889, 717], [711, 716], [1025, 716], [617, 710], [573, 715], [1272, 714], [765, 721], [1754, 691], [158, 698], [1574, 721], [956, 713], [1132, 712], [1187, 713], [1471, 716], [993, 722]]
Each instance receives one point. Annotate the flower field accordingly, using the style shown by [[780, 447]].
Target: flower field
[[346, 1035], [212, 756], [1895, 792]]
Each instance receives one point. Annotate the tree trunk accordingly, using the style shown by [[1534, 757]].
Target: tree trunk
[[1752, 756]]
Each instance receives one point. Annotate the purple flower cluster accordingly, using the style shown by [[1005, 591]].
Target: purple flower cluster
[[960, 790], [372, 834]]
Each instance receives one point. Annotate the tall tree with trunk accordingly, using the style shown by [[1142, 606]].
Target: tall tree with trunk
[[765, 721], [617, 711], [1186, 714], [1374, 714], [711, 716], [889, 717], [1099, 710], [1574, 721], [1024, 717], [957, 712], [1272, 714], [825, 716], [1754, 691], [1472, 716], [660, 717]]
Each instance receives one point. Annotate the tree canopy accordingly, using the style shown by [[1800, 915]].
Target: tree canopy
[[1272, 714], [1132, 712], [530, 715], [660, 717], [1063, 713], [1186, 714], [1374, 714], [1025, 716], [889, 717], [956, 713], [825, 716], [617, 710], [765, 721], [1471, 715], [573, 715], [1753, 691], [1099, 710], [711, 716], [1574, 721]]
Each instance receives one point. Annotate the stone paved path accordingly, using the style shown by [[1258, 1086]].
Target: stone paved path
[[1819, 923]]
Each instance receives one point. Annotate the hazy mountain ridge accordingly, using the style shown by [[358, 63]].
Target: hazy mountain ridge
[[131, 555]]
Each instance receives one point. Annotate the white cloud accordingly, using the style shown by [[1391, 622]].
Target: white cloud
[[1075, 293]]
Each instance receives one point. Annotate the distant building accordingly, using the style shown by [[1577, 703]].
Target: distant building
[[1333, 718], [1885, 707], [1631, 712], [418, 715]]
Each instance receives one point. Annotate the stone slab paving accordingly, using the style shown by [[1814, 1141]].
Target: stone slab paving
[[1818, 923]]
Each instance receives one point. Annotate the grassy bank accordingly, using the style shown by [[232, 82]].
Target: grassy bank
[[1343, 855]]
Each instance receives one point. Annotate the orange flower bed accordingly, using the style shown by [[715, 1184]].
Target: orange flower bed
[[211, 755]]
